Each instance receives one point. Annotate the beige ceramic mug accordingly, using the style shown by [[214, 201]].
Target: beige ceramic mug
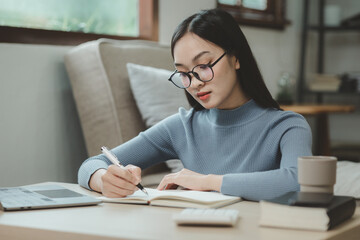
[[317, 173]]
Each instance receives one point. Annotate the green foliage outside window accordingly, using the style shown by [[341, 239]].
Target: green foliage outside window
[[110, 17]]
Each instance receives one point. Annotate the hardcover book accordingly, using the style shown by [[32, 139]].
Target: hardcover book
[[312, 211]]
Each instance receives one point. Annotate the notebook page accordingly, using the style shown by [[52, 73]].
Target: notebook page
[[189, 194], [136, 197], [195, 196]]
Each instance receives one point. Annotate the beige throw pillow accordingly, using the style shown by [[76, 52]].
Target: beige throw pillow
[[156, 97]]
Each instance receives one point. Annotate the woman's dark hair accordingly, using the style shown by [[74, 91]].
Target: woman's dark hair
[[220, 28]]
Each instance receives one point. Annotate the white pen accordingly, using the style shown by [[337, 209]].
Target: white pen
[[116, 161]]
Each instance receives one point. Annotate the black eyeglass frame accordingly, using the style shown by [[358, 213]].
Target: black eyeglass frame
[[195, 74]]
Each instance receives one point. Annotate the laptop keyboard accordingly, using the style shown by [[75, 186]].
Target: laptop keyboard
[[13, 197]]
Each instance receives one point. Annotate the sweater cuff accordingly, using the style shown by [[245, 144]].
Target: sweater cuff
[[227, 186], [260, 185], [88, 169]]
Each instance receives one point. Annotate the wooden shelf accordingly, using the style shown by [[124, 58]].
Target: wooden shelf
[[313, 109], [332, 93], [321, 29], [335, 28]]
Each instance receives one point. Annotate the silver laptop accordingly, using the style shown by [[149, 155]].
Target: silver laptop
[[42, 196]]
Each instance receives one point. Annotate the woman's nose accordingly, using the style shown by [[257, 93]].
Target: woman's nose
[[195, 83]]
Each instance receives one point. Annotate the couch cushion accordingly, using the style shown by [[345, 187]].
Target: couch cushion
[[99, 79], [114, 58], [155, 96], [347, 179]]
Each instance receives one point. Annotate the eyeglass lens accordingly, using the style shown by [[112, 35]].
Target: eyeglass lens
[[202, 72]]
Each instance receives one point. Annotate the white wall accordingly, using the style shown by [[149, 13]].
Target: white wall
[[172, 12], [40, 136]]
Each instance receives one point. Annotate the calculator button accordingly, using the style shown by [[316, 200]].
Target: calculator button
[[195, 216]]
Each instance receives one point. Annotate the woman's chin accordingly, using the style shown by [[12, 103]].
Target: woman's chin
[[207, 105]]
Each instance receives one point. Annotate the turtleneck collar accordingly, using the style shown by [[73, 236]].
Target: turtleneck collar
[[246, 112]]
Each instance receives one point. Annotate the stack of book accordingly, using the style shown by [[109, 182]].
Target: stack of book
[[353, 21], [350, 82], [310, 211], [325, 83]]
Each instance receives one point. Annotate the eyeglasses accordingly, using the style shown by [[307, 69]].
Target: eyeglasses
[[202, 72]]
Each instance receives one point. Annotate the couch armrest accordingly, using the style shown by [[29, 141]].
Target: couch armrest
[[98, 76]]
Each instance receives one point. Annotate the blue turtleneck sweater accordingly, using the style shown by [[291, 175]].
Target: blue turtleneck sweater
[[255, 148]]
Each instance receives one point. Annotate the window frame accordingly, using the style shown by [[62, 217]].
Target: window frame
[[148, 30], [272, 17]]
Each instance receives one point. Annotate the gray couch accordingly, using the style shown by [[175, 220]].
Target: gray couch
[[107, 110]]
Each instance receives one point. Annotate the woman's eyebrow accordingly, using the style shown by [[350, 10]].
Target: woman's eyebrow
[[194, 58]]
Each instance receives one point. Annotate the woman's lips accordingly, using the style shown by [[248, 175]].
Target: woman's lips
[[203, 95]]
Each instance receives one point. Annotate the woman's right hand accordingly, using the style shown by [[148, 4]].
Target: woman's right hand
[[116, 181]]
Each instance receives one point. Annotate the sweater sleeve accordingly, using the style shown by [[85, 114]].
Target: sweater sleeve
[[295, 141], [148, 148]]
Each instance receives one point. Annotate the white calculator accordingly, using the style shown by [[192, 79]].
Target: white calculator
[[198, 216]]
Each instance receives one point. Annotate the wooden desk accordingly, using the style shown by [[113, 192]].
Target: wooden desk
[[125, 221], [321, 112]]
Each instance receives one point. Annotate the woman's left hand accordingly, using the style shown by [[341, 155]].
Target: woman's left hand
[[191, 180]]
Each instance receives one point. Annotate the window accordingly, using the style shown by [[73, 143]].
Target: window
[[76, 21], [259, 13]]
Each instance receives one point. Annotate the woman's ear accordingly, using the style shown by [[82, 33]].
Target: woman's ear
[[237, 64]]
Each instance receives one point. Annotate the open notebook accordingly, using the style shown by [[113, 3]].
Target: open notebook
[[177, 198]]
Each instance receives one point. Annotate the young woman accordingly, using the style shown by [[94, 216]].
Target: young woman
[[234, 140]]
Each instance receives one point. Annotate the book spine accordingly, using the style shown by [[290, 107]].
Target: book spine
[[340, 214]]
